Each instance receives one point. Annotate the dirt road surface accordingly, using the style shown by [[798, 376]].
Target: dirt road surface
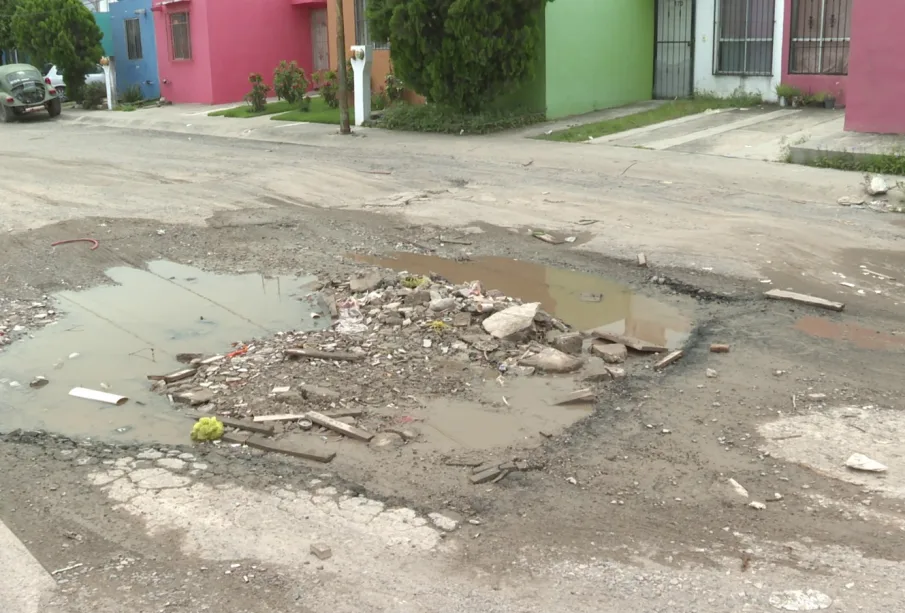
[[629, 508]]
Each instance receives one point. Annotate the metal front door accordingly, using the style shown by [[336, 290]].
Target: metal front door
[[319, 39], [674, 49]]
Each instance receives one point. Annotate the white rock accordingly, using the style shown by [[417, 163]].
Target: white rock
[[876, 185], [510, 322], [553, 360], [711, 374], [443, 522], [801, 600], [426, 343], [850, 201], [757, 505], [858, 461], [741, 491]]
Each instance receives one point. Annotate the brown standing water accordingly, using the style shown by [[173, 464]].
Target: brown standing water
[[581, 300], [112, 337]]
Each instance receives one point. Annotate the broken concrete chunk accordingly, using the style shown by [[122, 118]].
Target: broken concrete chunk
[[642, 260], [570, 342], [315, 392], [337, 426], [512, 321], [194, 397], [875, 185], [488, 474], [442, 304], [586, 395], [850, 201], [552, 360], [38, 382], [366, 283], [778, 294], [461, 320], [629, 341], [321, 551], [757, 505], [738, 489], [612, 353], [859, 461]]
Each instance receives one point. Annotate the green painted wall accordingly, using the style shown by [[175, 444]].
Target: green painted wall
[[600, 54], [103, 22]]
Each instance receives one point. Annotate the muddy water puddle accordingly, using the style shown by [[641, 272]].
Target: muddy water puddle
[[582, 300], [112, 337]]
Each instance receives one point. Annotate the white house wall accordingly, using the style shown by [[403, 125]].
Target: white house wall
[[704, 55]]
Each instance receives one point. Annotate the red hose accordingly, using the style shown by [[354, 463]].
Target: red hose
[[77, 240]]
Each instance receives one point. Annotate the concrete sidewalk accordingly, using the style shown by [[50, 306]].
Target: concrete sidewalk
[[25, 587], [763, 133]]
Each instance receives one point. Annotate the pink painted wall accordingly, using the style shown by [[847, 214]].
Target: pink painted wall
[[837, 85], [230, 40], [876, 100], [184, 80]]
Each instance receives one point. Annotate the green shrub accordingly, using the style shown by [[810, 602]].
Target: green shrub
[[462, 53], [131, 94], [207, 429], [784, 90], [379, 101], [289, 81], [325, 81], [447, 120], [93, 95], [257, 97]]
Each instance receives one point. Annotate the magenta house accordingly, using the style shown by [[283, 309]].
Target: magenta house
[[817, 45], [876, 99], [207, 48]]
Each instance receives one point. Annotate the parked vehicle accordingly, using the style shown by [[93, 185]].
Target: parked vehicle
[[54, 78], [22, 89]]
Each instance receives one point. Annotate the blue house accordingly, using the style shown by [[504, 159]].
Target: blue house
[[134, 47]]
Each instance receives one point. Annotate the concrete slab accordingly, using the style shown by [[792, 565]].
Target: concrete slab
[[839, 143], [588, 118], [25, 587]]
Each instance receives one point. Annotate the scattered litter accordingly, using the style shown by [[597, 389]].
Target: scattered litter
[[571, 239], [861, 462], [588, 297], [850, 201], [98, 396], [38, 382], [67, 569], [671, 357], [547, 238], [737, 487], [778, 294]]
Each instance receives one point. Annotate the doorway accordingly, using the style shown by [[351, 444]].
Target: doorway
[[674, 49], [320, 45]]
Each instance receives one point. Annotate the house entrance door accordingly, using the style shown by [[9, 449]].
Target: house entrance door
[[674, 49], [319, 39]]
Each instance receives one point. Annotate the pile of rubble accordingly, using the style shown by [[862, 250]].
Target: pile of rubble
[[393, 340], [18, 317]]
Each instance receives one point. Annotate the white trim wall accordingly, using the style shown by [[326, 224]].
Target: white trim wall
[[705, 54]]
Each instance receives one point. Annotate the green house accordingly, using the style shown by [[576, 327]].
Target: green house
[[596, 54]]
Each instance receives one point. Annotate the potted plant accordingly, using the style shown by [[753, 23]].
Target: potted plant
[[787, 94], [829, 101]]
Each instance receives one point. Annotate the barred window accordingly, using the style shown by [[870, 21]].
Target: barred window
[[361, 26], [133, 39], [820, 37], [745, 37], [180, 37]]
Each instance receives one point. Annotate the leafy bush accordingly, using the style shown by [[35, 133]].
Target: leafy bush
[[257, 97], [290, 82], [379, 101], [93, 95], [393, 88], [325, 81], [462, 53], [132, 94], [447, 120], [784, 90]]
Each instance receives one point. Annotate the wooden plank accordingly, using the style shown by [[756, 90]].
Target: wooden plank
[[629, 341], [244, 424], [259, 442], [328, 422], [239, 438], [316, 354], [174, 377], [280, 417], [670, 358], [778, 294]]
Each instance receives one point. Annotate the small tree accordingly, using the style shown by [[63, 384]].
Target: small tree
[[257, 97], [7, 8], [463, 53], [290, 83], [63, 32]]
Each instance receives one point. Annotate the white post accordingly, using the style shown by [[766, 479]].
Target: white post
[[108, 79], [361, 66]]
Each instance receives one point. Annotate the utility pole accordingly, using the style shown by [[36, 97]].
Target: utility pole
[[341, 70]]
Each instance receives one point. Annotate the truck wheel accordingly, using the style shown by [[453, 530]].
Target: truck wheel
[[54, 107]]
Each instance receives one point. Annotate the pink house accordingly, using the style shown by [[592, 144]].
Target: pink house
[[876, 100], [816, 45], [207, 48]]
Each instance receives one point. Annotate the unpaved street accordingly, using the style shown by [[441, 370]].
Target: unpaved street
[[213, 245]]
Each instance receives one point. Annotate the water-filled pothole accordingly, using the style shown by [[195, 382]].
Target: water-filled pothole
[[112, 337], [581, 300]]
